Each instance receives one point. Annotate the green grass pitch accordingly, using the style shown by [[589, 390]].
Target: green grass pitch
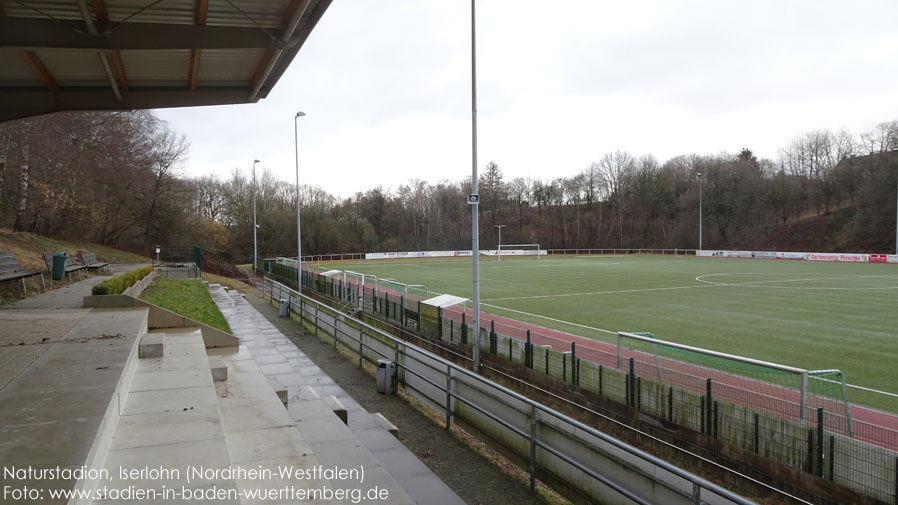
[[811, 315]]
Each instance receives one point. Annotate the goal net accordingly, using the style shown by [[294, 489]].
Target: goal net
[[520, 251], [786, 392]]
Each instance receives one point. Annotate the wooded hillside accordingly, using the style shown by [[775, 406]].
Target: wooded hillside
[[118, 179]]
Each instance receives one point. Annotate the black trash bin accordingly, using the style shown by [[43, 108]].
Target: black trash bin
[[59, 260]]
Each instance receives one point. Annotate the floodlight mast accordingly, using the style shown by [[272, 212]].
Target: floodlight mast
[[255, 226], [298, 235], [699, 211], [473, 198]]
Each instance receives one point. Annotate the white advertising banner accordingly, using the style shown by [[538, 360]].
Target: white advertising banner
[[790, 255], [452, 254], [807, 256], [851, 258]]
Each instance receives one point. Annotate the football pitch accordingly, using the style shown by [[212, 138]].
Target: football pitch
[[810, 315]]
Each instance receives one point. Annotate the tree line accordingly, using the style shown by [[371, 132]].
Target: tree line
[[118, 179]]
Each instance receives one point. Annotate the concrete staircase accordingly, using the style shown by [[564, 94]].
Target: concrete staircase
[[146, 408], [338, 431]]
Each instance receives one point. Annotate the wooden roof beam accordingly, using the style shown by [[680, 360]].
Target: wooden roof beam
[[40, 70], [199, 16]]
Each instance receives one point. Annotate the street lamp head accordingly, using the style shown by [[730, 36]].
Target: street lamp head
[[255, 161], [300, 114], [698, 174]]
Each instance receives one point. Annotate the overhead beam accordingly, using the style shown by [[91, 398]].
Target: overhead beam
[[113, 58], [118, 68], [40, 70], [202, 10], [196, 55], [100, 10], [40, 101], [26, 33]]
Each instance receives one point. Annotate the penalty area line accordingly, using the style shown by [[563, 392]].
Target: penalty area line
[[547, 318]]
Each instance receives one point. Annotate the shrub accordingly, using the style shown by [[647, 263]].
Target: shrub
[[117, 285]]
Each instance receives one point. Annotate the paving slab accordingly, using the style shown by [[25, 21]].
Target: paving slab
[[54, 412], [168, 427]]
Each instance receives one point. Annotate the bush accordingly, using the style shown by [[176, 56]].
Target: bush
[[117, 285]]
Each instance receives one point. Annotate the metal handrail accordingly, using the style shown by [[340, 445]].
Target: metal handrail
[[697, 482]]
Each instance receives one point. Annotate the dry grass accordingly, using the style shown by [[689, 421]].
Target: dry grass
[[29, 250], [229, 283]]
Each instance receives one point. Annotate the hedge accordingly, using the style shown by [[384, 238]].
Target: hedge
[[117, 285]]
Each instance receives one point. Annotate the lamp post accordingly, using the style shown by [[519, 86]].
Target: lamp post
[[298, 235], [699, 211], [474, 200], [499, 252], [255, 226]]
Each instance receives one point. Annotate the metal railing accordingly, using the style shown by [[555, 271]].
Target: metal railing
[[768, 426], [548, 440]]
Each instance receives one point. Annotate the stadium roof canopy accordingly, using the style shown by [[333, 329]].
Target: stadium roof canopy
[[140, 54]]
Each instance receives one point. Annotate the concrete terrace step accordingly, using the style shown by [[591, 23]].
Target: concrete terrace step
[[63, 408], [150, 346], [314, 399], [170, 422]]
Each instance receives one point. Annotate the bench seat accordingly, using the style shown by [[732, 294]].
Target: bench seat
[[69, 266], [89, 260], [11, 270]]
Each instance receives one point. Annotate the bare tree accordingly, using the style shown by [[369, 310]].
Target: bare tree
[[617, 168]]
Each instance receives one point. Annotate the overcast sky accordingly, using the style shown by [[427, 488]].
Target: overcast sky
[[386, 87]]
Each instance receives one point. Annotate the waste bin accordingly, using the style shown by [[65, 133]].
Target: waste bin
[[284, 307], [59, 260], [386, 376]]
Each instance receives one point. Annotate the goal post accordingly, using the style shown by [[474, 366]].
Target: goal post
[[524, 250], [788, 391]]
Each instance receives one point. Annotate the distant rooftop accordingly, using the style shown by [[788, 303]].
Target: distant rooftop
[[141, 54]]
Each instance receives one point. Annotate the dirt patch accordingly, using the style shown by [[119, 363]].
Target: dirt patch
[[217, 266]]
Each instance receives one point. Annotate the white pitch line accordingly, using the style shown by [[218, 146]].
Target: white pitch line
[[550, 319], [706, 285], [700, 278]]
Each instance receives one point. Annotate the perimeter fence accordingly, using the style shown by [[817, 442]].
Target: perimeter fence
[[765, 417], [551, 444]]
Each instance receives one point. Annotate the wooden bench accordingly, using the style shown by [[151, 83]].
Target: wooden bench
[[10, 270], [69, 266], [89, 260]]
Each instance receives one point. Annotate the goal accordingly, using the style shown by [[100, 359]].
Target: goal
[[522, 250]]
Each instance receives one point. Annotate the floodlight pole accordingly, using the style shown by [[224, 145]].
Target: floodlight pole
[[699, 211], [474, 199], [499, 252], [255, 226], [298, 235]]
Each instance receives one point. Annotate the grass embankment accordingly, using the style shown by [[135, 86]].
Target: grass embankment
[[29, 250], [188, 297]]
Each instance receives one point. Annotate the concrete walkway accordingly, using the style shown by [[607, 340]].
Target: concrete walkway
[[29, 327], [471, 476], [363, 441]]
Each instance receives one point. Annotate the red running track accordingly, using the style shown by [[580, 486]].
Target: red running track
[[870, 425]]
